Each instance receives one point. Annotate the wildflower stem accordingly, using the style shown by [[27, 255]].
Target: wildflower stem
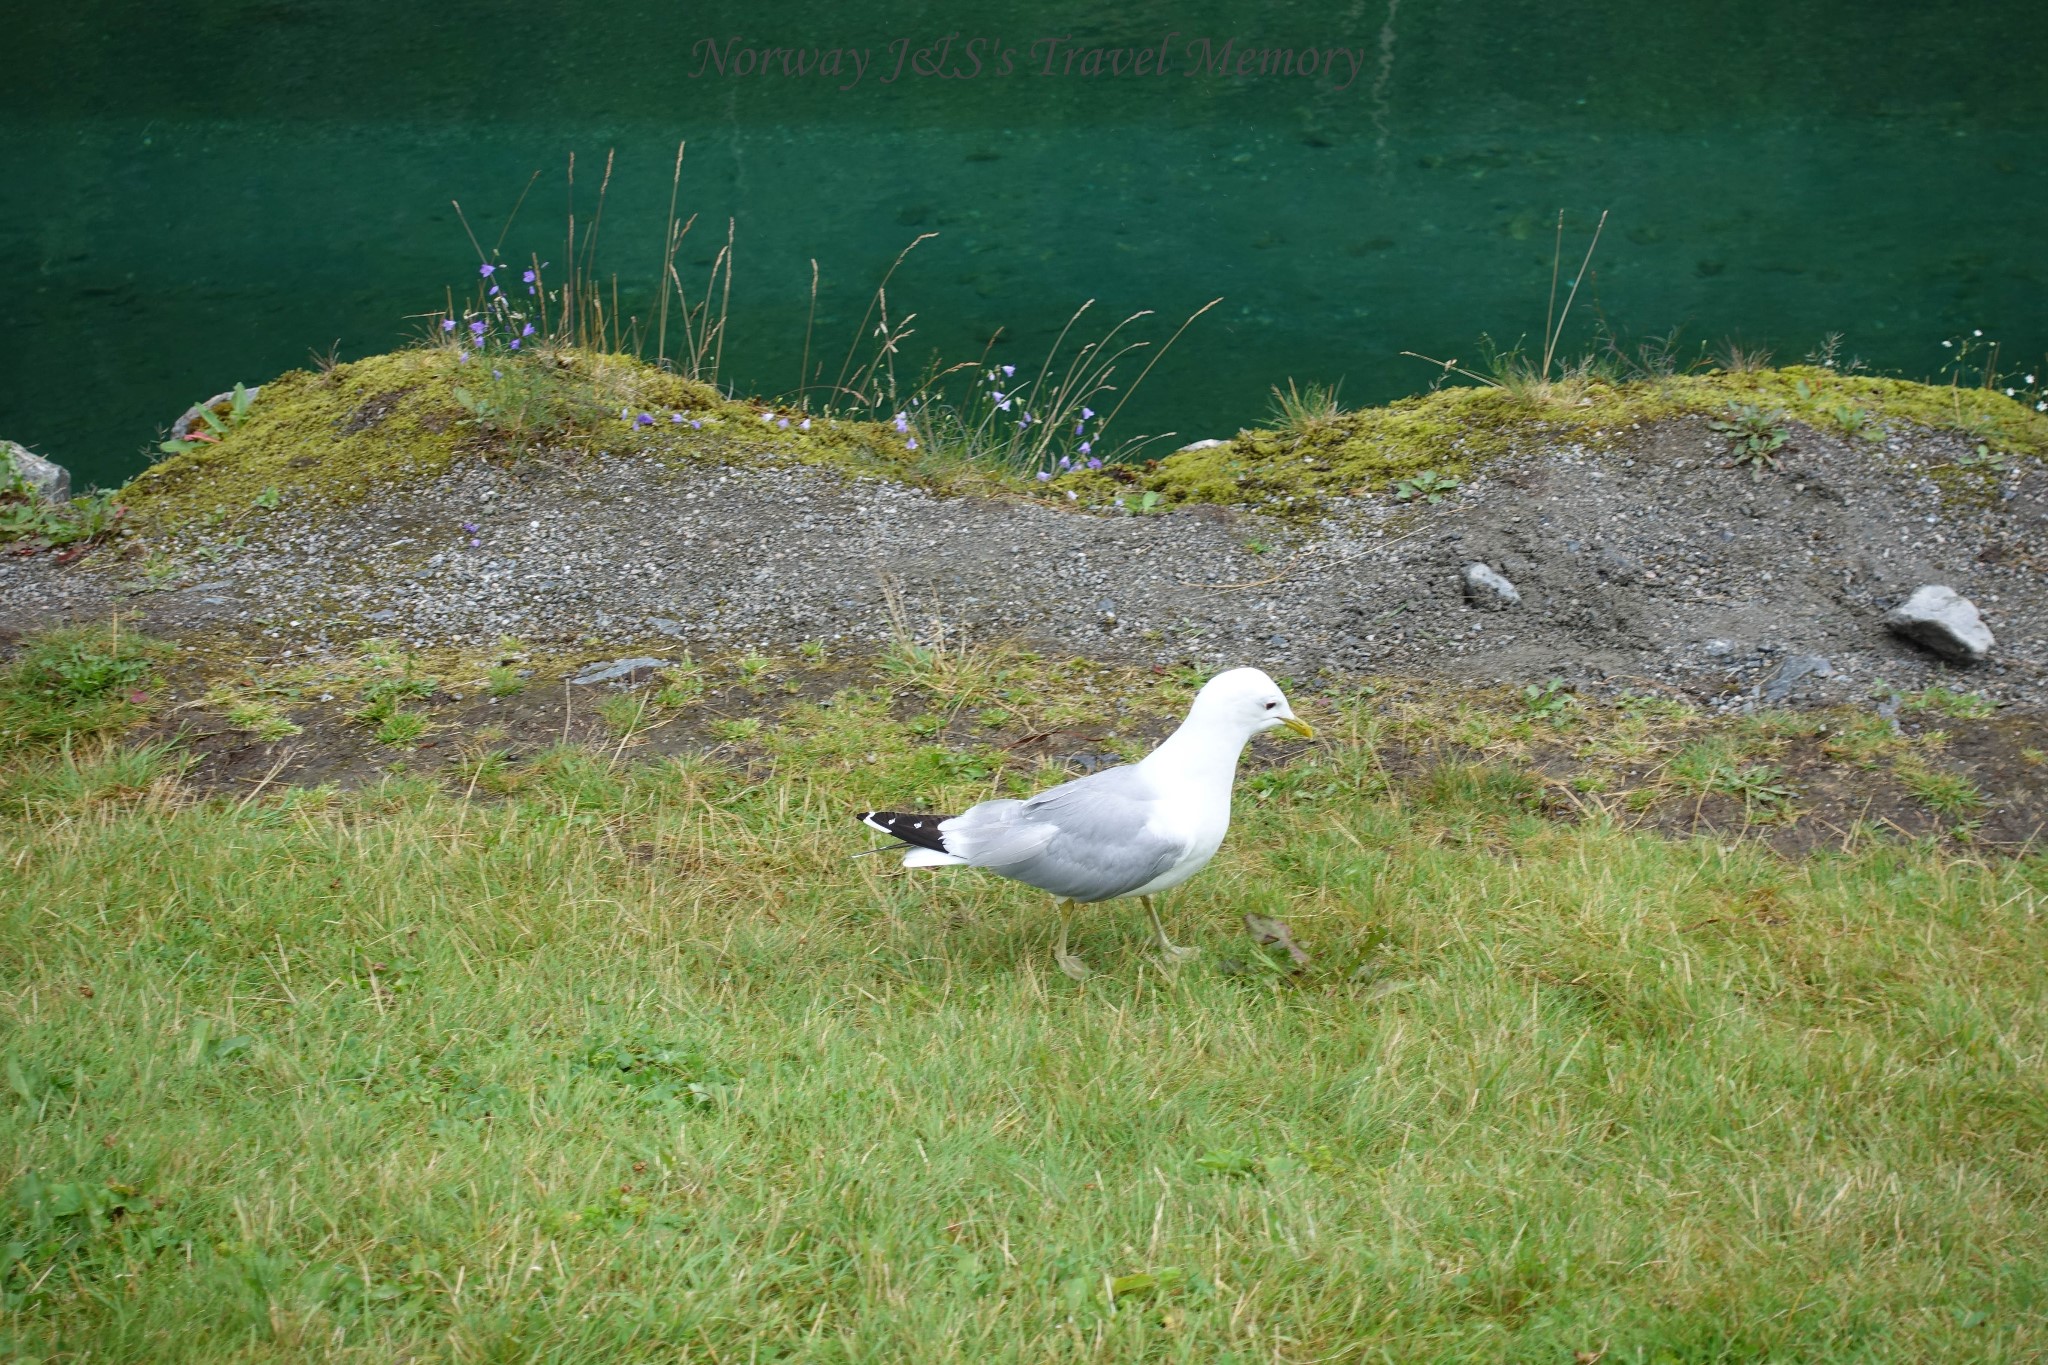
[[1156, 356]]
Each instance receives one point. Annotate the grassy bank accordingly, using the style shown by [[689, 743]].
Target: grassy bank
[[338, 436], [589, 1059]]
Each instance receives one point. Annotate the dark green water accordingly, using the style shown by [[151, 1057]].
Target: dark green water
[[200, 193]]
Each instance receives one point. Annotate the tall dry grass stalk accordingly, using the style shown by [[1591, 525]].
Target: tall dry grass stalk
[[1545, 378]]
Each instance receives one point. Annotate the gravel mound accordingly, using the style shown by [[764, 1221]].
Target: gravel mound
[[1646, 562]]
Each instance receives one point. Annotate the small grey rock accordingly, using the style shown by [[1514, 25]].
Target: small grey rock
[[1487, 589], [1941, 619], [1790, 674], [618, 669], [50, 479], [1617, 567], [1209, 444], [667, 625], [1718, 649]]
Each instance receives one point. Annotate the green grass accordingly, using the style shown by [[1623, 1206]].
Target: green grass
[[624, 713], [1943, 701], [1946, 792], [637, 1064], [503, 682], [401, 729], [1719, 764], [78, 682], [254, 710], [1299, 411]]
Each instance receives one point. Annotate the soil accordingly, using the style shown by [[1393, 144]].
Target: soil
[[1836, 799]]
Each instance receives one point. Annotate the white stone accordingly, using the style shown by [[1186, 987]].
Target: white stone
[[1943, 620], [1485, 588]]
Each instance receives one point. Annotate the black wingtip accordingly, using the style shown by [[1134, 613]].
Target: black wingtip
[[921, 830]]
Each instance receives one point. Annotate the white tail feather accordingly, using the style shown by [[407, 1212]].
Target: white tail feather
[[931, 857]]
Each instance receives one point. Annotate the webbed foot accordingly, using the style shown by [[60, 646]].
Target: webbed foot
[[1068, 963], [1167, 949]]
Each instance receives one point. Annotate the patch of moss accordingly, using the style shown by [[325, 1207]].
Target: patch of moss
[[1449, 432], [336, 436], [1455, 431], [1818, 397]]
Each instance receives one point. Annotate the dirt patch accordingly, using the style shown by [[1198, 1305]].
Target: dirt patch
[[372, 411], [1799, 781]]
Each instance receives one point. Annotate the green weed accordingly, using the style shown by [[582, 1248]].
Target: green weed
[[79, 682], [1716, 765], [525, 399], [1755, 436], [26, 515], [215, 422], [1863, 739], [1552, 702], [1548, 379], [1041, 423], [1427, 486]]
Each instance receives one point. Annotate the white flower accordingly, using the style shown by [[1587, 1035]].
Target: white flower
[[2029, 379], [1947, 344], [1979, 332]]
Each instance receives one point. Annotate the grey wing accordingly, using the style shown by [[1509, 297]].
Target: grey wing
[[1086, 840]]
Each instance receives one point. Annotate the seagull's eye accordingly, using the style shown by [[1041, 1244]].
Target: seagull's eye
[[1271, 704]]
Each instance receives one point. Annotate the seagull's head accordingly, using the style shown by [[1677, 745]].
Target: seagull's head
[[1248, 700]]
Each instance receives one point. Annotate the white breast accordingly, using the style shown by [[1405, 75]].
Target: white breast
[[1197, 816]]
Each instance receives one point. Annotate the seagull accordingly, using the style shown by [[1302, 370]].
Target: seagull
[[1128, 831]]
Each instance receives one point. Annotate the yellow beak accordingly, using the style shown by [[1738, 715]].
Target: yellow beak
[[1300, 727]]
